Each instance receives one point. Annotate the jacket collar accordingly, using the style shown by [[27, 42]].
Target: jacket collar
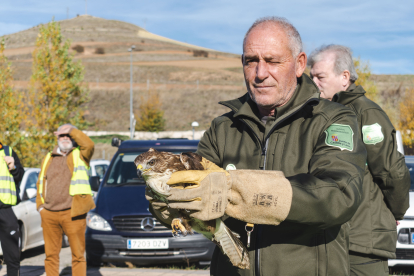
[[306, 91], [56, 152], [345, 97]]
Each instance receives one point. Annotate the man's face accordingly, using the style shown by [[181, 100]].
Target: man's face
[[270, 70], [323, 74], [64, 142]]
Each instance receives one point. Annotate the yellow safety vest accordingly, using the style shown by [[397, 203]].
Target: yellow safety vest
[[79, 184], [7, 186]]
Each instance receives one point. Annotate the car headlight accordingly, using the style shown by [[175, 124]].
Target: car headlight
[[95, 221], [404, 236]]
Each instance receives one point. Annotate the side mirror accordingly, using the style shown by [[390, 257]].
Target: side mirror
[[31, 193], [95, 182], [116, 142]]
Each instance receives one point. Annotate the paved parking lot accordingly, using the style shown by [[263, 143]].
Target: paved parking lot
[[33, 260], [40, 271]]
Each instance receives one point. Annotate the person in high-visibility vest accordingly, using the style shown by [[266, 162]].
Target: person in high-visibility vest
[[64, 197], [11, 173]]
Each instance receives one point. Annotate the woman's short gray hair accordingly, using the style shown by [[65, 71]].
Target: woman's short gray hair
[[295, 41], [343, 59]]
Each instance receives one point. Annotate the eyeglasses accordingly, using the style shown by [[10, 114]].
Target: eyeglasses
[[64, 135]]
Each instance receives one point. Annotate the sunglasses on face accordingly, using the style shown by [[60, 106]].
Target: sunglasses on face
[[63, 135]]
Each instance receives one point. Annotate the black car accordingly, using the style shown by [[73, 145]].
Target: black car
[[121, 228]]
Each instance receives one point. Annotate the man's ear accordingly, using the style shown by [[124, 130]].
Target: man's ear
[[191, 161], [301, 61], [345, 78]]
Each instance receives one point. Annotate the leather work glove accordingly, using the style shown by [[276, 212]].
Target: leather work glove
[[259, 197], [208, 165], [160, 208]]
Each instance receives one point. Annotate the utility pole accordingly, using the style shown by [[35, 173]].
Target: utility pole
[[131, 113]]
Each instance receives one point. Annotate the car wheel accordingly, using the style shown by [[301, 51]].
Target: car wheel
[[65, 241], [90, 261]]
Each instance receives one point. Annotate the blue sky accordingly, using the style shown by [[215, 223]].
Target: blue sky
[[379, 31]]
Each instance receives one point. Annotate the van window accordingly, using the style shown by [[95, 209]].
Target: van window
[[124, 171], [411, 169], [100, 170]]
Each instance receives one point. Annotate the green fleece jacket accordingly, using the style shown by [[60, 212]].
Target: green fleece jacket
[[316, 144], [386, 182]]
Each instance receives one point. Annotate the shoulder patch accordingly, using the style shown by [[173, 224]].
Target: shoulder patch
[[230, 167], [340, 136], [372, 134]]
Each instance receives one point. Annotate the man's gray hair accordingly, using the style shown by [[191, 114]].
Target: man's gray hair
[[343, 59], [295, 41], [59, 128]]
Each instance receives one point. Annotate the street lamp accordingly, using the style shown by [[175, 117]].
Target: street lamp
[[131, 113], [194, 124]]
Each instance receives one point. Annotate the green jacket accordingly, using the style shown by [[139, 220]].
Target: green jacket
[[386, 182], [326, 180]]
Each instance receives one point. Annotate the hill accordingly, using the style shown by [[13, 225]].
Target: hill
[[190, 79]]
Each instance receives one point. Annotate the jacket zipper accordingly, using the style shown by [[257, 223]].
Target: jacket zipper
[[259, 227], [264, 154]]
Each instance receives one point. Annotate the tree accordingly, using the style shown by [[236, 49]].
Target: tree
[[364, 73], [56, 93], [11, 108], [406, 124], [151, 117]]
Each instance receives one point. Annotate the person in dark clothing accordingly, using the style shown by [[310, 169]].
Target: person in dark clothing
[[11, 173], [295, 166], [386, 184]]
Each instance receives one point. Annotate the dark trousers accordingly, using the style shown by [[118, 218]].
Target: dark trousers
[[10, 240]]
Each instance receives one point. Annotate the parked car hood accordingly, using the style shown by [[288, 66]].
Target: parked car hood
[[122, 201]]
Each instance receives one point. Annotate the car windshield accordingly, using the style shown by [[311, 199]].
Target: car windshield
[[411, 169], [31, 180], [124, 172]]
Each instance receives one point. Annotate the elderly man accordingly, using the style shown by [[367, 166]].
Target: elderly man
[[64, 197], [280, 125], [387, 180], [11, 173]]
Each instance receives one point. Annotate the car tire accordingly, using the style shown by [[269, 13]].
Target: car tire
[[90, 261], [65, 241]]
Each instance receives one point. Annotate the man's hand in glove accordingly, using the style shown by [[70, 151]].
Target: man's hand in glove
[[260, 197]]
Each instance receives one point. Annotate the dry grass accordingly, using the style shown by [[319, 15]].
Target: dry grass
[[104, 149], [110, 109]]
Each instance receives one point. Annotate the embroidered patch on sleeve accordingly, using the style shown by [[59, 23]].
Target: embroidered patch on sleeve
[[372, 134], [340, 136]]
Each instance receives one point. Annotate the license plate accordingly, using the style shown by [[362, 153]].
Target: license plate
[[148, 244]]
